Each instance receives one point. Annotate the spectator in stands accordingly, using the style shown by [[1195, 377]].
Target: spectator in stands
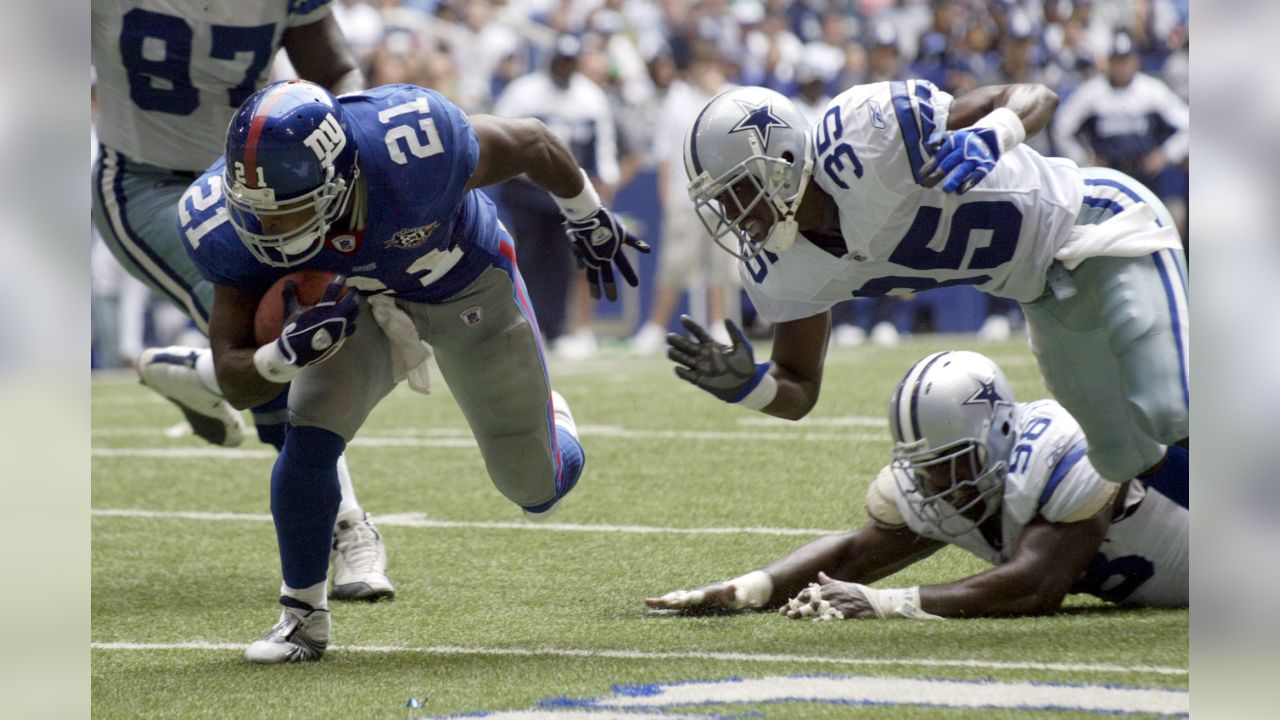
[[1132, 122], [577, 111], [686, 257]]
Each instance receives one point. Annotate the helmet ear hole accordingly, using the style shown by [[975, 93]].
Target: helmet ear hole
[[1005, 428], [789, 157]]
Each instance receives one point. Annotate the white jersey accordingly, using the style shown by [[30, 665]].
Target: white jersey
[[171, 73], [579, 115], [900, 237], [1142, 561]]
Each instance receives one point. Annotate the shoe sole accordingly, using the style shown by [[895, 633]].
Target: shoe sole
[[361, 591]]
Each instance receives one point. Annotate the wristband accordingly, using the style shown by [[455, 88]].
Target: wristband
[[1008, 126], [896, 602], [582, 205], [763, 391], [272, 365], [752, 590]]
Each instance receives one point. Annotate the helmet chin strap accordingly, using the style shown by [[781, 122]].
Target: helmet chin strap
[[783, 233]]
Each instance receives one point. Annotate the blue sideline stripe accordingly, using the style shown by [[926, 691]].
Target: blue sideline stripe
[[1171, 296], [907, 121], [1064, 466], [117, 187]]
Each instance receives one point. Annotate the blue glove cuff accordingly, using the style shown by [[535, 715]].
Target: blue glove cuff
[[759, 391]]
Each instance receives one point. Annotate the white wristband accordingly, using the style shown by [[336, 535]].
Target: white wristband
[[762, 394], [1008, 126], [896, 602], [752, 590], [581, 205], [272, 365]]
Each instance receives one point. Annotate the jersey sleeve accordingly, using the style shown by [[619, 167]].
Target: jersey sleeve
[[305, 12], [464, 143], [777, 310], [882, 506], [211, 242]]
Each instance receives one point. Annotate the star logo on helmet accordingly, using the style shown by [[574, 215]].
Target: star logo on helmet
[[758, 118], [986, 393]]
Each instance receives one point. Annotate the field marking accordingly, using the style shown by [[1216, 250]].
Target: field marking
[[462, 438], [1104, 668], [420, 520]]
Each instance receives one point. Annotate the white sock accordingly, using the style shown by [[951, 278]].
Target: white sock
[[564, 417], [205, 371], [349, 507], [317, 596]]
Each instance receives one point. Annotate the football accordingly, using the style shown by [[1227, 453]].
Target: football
[[269, 319]]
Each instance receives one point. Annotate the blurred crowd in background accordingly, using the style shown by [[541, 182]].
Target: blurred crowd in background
[[621, 80]]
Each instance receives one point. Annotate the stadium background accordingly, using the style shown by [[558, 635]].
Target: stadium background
[[634, 49]]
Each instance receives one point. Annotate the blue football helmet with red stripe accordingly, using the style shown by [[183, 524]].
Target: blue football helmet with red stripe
[[291, 167], [954, 420]]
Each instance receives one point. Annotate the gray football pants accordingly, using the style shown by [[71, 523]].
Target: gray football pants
[[1115, 353], [491, 357]]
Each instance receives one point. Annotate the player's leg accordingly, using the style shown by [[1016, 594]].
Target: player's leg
[[135, 211], [495, 365], [678, 262], [327, 404]]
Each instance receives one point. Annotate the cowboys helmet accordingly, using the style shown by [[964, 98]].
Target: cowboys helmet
[[953, 420], [749, 154], [291, 165]]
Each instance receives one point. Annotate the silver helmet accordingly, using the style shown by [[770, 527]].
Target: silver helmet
[[953, 420], [749, 150]]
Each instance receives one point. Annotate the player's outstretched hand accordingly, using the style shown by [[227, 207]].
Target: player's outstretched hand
[[829, 599], [714, 599], [962, 159], [597, 241], [313, 334], [726, 371]]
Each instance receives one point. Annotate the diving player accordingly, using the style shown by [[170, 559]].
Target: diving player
[[880, 198], [1009, 482], [170, 75], [381, 187]]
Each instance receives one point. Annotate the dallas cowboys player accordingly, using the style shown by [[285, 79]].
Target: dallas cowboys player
[[1009, 482], [880, 198], [381, 187], [170, 75]]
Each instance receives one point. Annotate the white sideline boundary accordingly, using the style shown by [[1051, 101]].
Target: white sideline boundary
[[1103, 668], [420, 520]]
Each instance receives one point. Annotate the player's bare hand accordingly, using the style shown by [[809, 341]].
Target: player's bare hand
[[714, 599]]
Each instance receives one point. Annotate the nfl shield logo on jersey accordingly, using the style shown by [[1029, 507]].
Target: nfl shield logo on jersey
[[346, 243], [472, 315], [412, 237]]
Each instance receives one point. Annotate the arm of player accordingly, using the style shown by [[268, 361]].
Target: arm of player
[[866, 554], [232, 342], [320, 54], [787, 386], [985, 123], [1048, 559], [510, 147]]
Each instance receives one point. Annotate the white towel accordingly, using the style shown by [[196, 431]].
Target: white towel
[[1133, 232], [409, 353]]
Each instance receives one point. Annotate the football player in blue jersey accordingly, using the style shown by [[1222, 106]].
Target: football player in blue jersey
[[382, 188], [171, 73], [1006, 481]]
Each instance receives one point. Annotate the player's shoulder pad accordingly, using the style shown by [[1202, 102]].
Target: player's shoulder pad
[[882, 505]]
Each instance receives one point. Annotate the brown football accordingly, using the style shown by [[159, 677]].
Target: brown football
[[269, 320]]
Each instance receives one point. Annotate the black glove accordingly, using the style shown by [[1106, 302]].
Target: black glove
[[729, 373], [597, 242], [312, 334]]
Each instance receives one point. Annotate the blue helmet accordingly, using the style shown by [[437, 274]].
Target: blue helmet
[[291, 165]]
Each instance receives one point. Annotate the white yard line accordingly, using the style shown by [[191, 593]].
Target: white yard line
[[420, 520], [1105, 668]]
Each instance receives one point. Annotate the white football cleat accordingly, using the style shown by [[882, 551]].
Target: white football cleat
[[359, 562], [885, 334], [848, 336], [171, 371], [301, 635]]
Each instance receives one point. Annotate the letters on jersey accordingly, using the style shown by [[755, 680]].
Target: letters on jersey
[[423, 236]]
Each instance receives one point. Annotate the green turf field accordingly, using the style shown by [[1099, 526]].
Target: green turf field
[[494, 614]]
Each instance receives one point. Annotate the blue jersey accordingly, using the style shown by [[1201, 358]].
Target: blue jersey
[[417, 233]]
